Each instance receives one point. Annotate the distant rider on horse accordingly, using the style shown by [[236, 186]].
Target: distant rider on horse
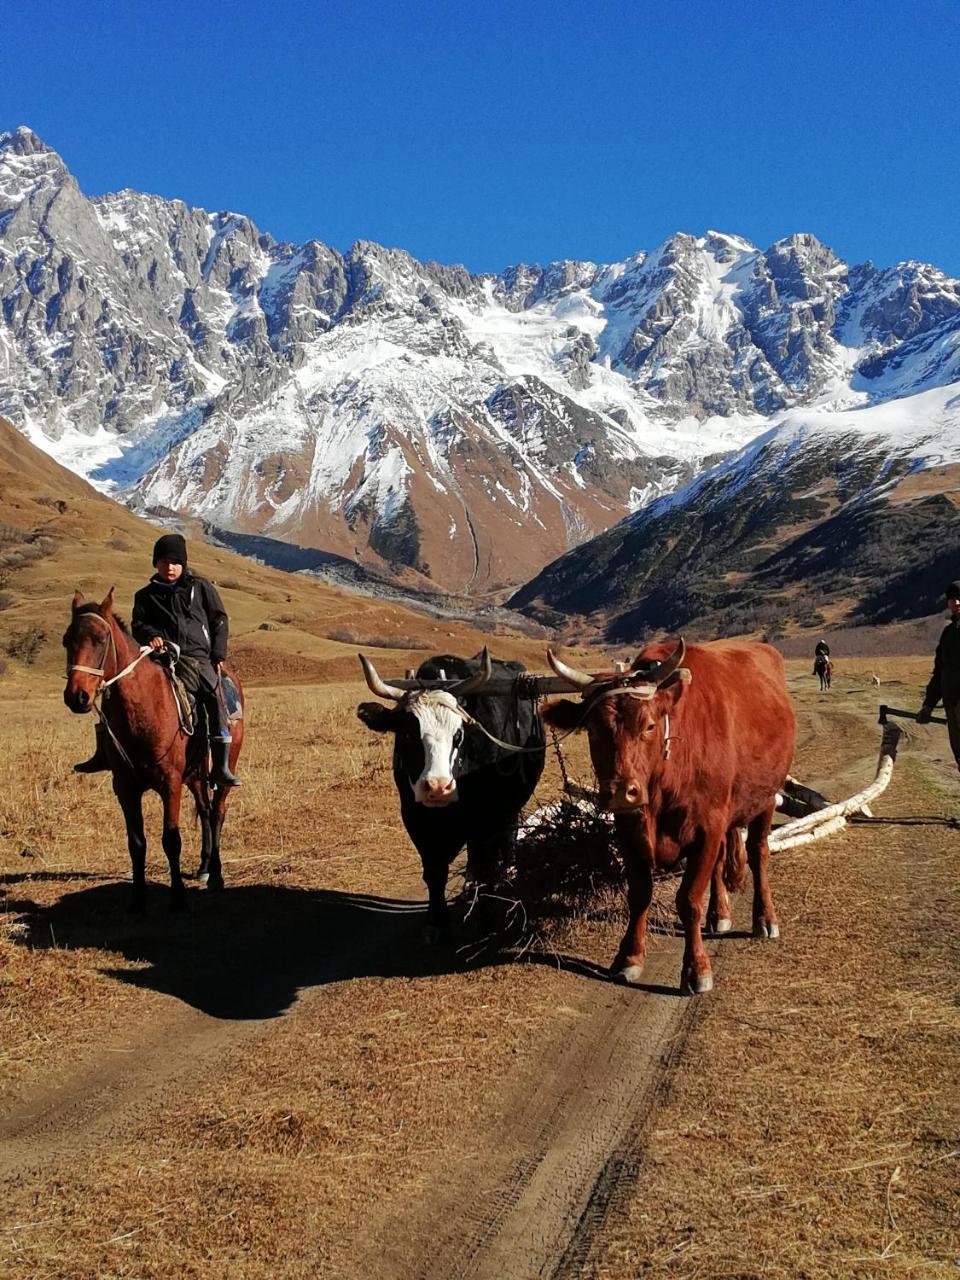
[[181, 612], [945, 680]]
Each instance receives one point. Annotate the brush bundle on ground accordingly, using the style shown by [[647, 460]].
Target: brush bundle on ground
[[567, 867], [567, 863]]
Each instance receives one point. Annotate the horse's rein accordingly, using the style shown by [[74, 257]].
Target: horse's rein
[[101, 671]]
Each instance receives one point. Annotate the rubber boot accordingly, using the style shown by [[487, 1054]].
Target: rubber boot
[[220, 774], [99, 761]]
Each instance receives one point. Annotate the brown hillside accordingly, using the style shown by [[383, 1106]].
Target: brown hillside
[[57, 533]]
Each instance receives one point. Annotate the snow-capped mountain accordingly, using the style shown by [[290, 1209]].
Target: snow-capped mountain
[[831, 515], [466, 427]]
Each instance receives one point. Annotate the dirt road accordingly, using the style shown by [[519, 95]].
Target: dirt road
[[527, 1204], [287, 1084]]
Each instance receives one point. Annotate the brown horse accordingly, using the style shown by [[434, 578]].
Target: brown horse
[[148, 747]]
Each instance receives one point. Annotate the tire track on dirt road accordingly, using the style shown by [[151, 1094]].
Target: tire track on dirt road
[[571, 1148], [549, 1175]]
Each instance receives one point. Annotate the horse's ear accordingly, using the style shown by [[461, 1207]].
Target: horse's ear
[[77, 600], [106, 604]]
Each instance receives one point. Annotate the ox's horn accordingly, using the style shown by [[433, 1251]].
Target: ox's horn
[[576, 679], [472, 683], [662, 671], [375, 684]]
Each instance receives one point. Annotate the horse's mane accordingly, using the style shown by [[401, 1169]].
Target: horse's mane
[[91, 607]]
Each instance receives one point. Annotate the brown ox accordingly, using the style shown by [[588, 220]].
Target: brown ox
[[689, 746]]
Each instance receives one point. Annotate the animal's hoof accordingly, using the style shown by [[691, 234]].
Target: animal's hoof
[[697, 984], [723, 925], [214, 883], [432, 934], [202, 873], [630, 974], [763, 929]]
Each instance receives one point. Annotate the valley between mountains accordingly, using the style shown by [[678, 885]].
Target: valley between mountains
[[756, 436]]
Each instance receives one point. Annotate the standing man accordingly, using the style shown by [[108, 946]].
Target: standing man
[[945, 681], [182, 611]]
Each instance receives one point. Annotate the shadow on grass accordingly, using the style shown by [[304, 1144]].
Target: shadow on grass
[[245, 953]]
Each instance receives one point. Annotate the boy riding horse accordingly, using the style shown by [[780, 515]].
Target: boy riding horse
[[822, 666], [179, 610]]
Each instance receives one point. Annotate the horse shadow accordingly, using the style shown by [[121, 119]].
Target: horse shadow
[[247, 953]]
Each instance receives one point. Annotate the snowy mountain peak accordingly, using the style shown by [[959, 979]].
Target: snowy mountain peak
[[22, 141], [26, 164], [411, 413]]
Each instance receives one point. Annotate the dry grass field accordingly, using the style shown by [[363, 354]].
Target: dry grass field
[[285, 1082]]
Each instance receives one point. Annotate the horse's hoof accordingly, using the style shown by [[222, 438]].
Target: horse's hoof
[[214, 883], [697, 984], [723, 925], [631, 974], [432, 933], [763, 929], [202, 874]]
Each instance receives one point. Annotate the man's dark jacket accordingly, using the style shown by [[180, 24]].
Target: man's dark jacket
[[188, 612], [945, 681]]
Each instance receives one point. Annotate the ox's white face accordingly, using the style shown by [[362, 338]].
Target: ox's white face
[[429, 738]]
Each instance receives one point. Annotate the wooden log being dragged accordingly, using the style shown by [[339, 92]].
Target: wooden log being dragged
[[796, 800], [827, 821]]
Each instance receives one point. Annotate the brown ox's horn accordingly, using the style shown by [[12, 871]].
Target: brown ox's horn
[[576, 679], [472, 683], [662, 671], [375, 684]]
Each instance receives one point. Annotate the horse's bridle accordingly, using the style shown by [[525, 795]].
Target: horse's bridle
[[100, 672], [111, 644], [108, 645]]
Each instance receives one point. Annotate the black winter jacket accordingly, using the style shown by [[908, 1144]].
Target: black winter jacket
[[945, 681], [189, 612]]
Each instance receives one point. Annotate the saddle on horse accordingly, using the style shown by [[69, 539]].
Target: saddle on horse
[[203, 695]]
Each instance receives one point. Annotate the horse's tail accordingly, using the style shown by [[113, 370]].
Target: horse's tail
[[735, 860]]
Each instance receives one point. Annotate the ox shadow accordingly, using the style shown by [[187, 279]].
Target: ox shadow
[[247, 952]]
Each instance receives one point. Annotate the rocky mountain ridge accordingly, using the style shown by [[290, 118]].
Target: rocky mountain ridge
[[458, 429], [828, 518]]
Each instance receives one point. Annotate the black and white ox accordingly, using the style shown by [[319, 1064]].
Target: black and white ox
[[457, 787]]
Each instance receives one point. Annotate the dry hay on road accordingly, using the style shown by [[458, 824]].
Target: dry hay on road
[[286, 1083]]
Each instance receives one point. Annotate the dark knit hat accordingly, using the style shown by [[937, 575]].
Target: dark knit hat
[[952, 591], [173, 547]]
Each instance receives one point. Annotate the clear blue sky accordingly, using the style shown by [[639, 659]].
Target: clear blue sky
[[496, 132]]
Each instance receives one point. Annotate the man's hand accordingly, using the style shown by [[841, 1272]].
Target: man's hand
[[157, 642], [924, 714]]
